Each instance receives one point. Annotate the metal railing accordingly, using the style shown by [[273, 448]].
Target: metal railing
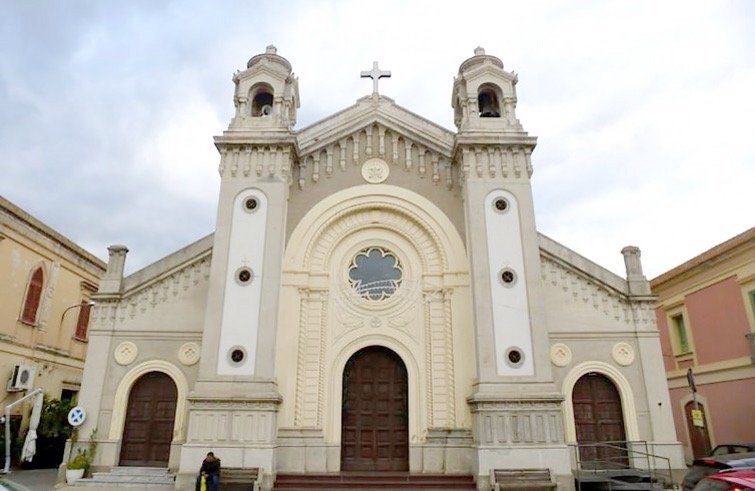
[[620, 463]]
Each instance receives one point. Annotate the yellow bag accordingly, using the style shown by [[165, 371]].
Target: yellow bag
[[203, 483]]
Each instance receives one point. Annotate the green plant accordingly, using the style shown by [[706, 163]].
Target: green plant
[[80, 461], [53, 422], [84, 457]]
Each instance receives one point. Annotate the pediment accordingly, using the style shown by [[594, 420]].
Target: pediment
[[375, 127]]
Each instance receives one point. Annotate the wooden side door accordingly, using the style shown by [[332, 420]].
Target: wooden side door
[[599, 418], [699, 437], [148, 431], [374, 417]]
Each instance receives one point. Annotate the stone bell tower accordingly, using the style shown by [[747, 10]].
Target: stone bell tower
[[235, 398], [493, 153]]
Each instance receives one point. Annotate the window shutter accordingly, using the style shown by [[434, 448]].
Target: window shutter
[[83, 323], [33, 296]]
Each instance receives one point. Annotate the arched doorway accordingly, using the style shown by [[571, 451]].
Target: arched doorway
[[148, 430], [374, 415], [598, 418], [699, 438]]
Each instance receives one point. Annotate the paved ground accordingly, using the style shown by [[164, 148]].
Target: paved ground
[[44, 480]]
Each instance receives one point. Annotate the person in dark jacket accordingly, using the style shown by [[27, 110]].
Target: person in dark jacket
[[211, 470]]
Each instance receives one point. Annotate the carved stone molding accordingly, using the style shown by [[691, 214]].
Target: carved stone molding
[[582, 290], [375, 141], [145, 298], [623, 354], [561, 354], [517, 422], [188, 353], [125, 353]]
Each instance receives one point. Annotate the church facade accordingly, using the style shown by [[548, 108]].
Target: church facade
[[375, 297]]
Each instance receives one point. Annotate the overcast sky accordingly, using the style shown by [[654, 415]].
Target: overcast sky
[[643, 110]]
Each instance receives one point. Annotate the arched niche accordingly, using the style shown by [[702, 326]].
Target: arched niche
[[261, 96], [631, 428], [120, 402], [489, 101]]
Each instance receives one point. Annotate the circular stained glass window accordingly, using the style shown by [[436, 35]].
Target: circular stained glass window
[[375, 273]]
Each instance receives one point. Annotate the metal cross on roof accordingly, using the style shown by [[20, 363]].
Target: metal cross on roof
[[375, 74]]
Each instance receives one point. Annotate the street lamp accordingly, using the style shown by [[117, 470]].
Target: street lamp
[[88, 304]]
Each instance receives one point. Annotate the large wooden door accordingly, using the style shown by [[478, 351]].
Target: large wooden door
[[374, 416], [599, 418], [151, 413], [699, 437]]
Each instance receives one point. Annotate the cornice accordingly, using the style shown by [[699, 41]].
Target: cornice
[[14, 218]]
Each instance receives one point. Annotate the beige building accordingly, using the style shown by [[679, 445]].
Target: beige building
[[706, 316], [375, 298], [45, 294]]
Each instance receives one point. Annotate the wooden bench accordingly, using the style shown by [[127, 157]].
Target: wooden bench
[[239, 479], [522, 479]]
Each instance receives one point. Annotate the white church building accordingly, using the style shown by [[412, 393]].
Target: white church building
[[375, 298]]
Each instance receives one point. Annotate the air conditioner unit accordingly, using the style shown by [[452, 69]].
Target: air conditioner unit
[[22, 378]]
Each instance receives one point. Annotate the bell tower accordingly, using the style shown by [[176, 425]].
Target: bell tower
[[493, 153], [266, 95], [235, 397]]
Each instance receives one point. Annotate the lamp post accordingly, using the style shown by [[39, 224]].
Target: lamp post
[[88, 304]]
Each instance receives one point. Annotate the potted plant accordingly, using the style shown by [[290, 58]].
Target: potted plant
[[77, 466]]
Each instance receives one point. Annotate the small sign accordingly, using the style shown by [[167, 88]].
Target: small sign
[[697, 418], [76, 416]]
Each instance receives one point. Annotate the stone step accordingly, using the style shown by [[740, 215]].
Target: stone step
[[373, 480], [106, 477], [136, 477], [127, 470]]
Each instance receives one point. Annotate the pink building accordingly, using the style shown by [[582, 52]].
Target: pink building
[[706, 318]]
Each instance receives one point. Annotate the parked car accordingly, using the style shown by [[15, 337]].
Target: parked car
[[711, 465], [728, 480], [728, 448]]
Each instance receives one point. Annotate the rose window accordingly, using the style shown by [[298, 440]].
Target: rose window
[[375, 273]]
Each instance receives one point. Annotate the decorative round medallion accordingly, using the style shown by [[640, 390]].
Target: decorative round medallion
[[125, 353], [375, 171], [623, 353], [188, 353], [560, 355]]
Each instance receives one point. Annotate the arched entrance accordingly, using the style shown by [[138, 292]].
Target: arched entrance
[[598, 418], [148, 430], [374, 415], [699, 438]]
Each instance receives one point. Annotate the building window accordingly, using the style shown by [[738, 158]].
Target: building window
[[83, 323], [375, 273], [33, 297], [69, 396], [752, 301], [680, 331]]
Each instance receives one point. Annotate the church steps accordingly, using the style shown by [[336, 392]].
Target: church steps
[[373, 480], [122, 476]]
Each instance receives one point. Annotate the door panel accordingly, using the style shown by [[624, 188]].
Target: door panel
[[148, 431], [598, 417], [374, 418]]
